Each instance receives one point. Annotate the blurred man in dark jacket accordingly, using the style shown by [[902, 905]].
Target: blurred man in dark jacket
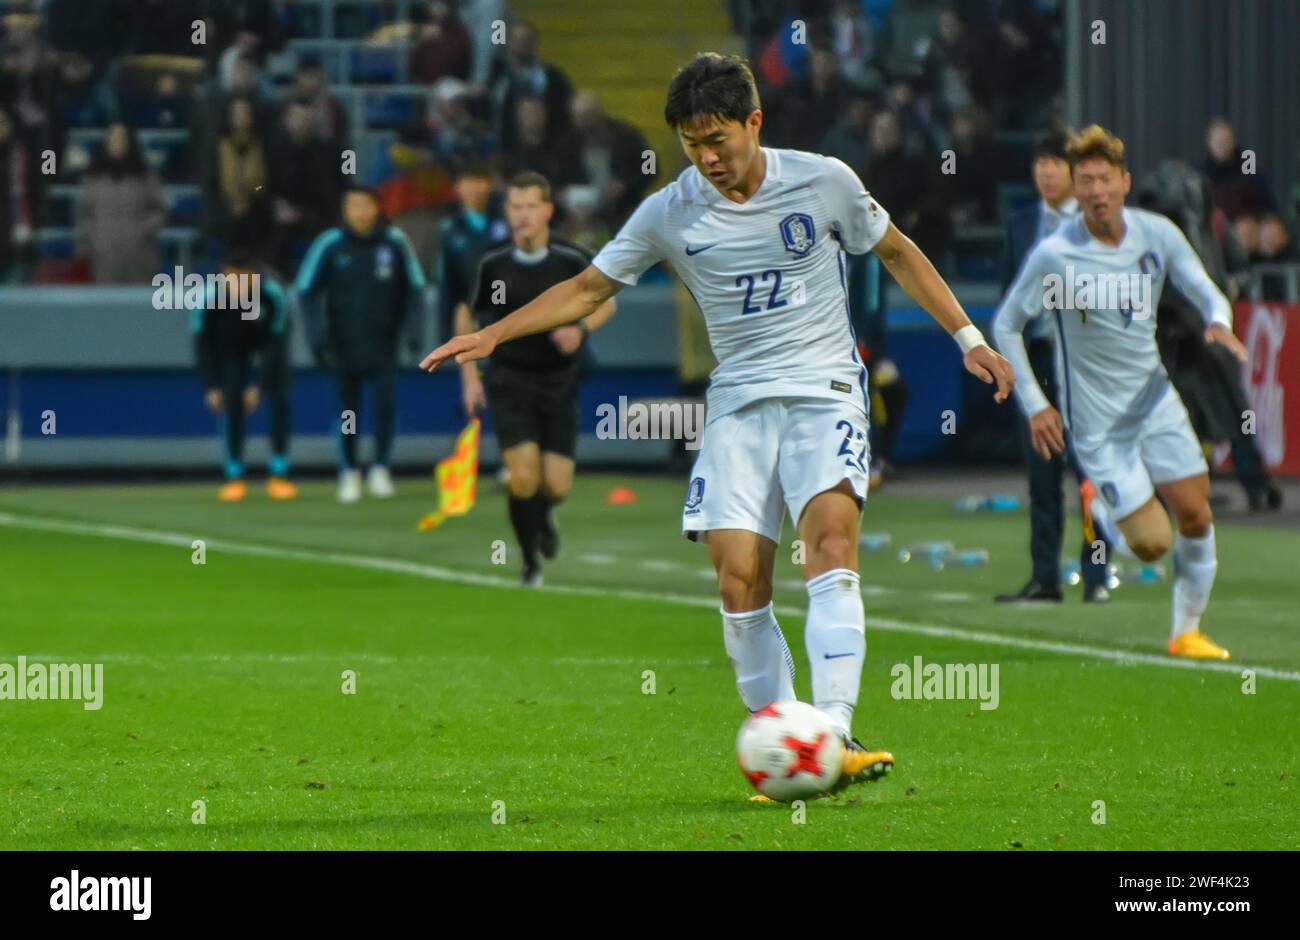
[[362, 292], [1206, 375], [613, 153]]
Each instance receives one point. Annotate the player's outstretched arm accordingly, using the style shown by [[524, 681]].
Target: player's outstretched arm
[[566, 302], [916, 275]]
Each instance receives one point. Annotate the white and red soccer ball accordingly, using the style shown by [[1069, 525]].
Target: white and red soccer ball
[[790, 751]]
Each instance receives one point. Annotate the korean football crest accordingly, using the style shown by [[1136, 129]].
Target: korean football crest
[[798, 234]]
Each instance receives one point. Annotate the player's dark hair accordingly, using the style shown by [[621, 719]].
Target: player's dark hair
[[1051, 145], [529, 178], [474, 167], [356, 186], [714, 86]]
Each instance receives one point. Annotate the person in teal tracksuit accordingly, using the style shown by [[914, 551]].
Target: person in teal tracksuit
[[362, 288], [243, 360]]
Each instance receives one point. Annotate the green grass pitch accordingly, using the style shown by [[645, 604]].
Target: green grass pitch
[[223, 683]]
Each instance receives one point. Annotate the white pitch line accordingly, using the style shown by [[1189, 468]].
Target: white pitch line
[[659, 564], [436, 572]]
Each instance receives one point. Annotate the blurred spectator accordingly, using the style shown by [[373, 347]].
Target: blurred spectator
[[418, 183], [1274, 244], [949, 64], [558, 159], [479, 17], [329, 119], [783, 58], [251, 27], [83, 33], [443, 49], [30, 80], [524, 75], [121, 212], [907, 185], [1018, 62], [613, 154], [915, 121], [799, 114], [1239, 194], [15, 203], [850, 137], [477, 224], [852, 42], [305, 185], [237, 188], [211, 109], [454, 133], [972, 191]]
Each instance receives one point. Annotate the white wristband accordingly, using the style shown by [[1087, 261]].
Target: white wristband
[[968, 337]]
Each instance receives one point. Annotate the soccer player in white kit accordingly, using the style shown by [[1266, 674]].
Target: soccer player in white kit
[[1100, 276], [758, 236]]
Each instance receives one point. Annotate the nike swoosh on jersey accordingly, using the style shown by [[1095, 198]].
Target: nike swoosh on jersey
[[696, 251], [837, 655]]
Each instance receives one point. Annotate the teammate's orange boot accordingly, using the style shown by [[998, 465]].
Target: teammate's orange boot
[[1196, 645], [232, 491], [280, 488], [1087, 493]]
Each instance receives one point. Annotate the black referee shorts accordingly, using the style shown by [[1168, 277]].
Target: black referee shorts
[[541, 407]]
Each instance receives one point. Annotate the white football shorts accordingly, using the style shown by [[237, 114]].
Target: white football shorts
[[1126, 466], [772, 455]]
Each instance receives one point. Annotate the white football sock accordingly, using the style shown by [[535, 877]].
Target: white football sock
[[1195, 563], [759, 655], [837, 643]]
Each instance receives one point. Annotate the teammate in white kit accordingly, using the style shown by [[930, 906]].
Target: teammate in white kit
[[1100, 276], [758, 236]]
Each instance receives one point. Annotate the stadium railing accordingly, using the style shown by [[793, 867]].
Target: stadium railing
[[1286, 274]]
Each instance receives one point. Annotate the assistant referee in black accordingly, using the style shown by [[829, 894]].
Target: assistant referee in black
[[531, 386]]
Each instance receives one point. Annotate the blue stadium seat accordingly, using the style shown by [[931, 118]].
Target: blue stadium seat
[[389, 111], [377, 65]]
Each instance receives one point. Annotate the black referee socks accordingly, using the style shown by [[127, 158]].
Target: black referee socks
[[528, 517]]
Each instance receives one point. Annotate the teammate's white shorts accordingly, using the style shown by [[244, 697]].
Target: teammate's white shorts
[[771, 455], [1125, 466]]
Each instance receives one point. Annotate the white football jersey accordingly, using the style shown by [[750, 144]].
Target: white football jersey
[[768, 274], [1109, 374]]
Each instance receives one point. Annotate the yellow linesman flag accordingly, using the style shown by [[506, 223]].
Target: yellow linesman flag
[[456, 478]]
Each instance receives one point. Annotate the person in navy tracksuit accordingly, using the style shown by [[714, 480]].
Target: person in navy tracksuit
[[1025, 228], [362, 292]]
